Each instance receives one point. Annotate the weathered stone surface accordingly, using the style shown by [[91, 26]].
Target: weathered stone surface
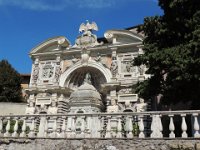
[[12, 108], [97, 144], [197, 146]]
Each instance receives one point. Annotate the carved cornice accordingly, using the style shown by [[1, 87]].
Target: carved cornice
[[53, 89]]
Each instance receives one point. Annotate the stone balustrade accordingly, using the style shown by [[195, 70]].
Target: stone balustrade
[[165, 124]]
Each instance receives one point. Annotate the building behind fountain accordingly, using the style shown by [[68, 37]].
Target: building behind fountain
[[92, 76]]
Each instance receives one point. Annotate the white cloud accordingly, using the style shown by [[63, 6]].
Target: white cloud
[[96, 3], [30, 4], [55, 5]]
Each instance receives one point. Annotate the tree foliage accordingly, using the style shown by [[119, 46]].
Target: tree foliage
[[10, 83], [172, 53]]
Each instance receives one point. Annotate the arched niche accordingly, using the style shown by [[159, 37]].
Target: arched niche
[[74, 76]]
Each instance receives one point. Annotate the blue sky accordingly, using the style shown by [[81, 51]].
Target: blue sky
[[26, 23]]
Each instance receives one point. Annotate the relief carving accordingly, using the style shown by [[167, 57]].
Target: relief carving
[[127, 66], [47, 71]]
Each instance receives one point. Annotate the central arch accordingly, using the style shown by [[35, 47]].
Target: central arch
[[74, 76]]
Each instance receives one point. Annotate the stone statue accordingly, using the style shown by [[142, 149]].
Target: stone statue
[[113, 68], [141, 69], [87, 39], [141, 106], [128, 66], [35, 73], [53, 108], [87, 28], [30, 109], [87, 78], [113, 102], [57, 73]]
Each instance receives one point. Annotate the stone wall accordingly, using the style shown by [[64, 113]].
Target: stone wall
[[98, 144], [12, 108]]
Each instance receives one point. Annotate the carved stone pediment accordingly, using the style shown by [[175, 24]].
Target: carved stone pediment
[[51, 45], [122, 37]]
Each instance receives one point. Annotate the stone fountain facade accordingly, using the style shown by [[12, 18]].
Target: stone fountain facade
[[92, 76]]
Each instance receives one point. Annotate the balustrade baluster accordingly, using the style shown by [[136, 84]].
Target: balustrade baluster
[[63, 134], [141, 127], [108, 128], [43, 122], [32, 128], [171, 127], [196, 125], [119, 127], [1, 127], [69, 129], [103, 127], [130, 127], [15, 134], [23, 134], [7, 134], [82, 126], [160, 126], [99, 127], [73, 127], [54, 133], [88, 128], [46, 127], [156, 127], [184, 126]]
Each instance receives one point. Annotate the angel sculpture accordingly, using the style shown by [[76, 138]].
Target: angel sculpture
[[87, 28]]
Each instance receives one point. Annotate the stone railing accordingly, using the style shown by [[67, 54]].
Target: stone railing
[[168, 124]]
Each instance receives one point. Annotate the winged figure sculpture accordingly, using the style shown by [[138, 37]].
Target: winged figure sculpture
[[88, 27]]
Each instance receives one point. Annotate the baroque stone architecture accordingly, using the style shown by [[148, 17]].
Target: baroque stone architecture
[[86, 90], [90, 76]]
